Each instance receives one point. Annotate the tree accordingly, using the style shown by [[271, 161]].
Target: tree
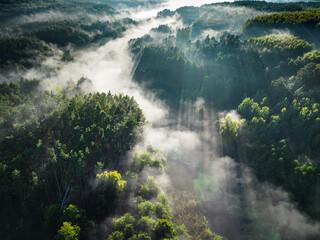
[[146, 224], [146, 208], [249, 109], [124, 224], [149, 189], [110, 180], [151, 158], [72, 214], [68, 232], [108, 188], [229, 128], [164, 229], [141, 236], [116, 236]]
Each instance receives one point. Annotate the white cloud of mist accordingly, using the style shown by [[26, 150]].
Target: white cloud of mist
[[222, 171], [44, 16], [58, 15], [174, 4], [110, 67], [168, 140], [273, 205], [284, 32], [268, 205], [210, 32], [199, 103], [217, 19], [233, 114], [152, 10]]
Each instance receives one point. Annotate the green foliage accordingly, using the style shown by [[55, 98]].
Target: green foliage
[[162, 29], [65, 32], [124, 225], [68, 232], [182, 231], [284, 45], [146, 224], [272, 81], [138, 44], [72, 214], [166, 69], [17, 102], [302, 23], [26, 44], [119, 224], [249, 109], [189, 213], [164, 229], [150, 158], [108, 188], [146, 208], [313, 56], [149, 189], [62, 35], [17, 8], [52, 143], [112, 179], [116, 236], [20, 51], [229, 128], [145, 227], [52, 219], [141, 236], [67, 56], [306, 18], [274, 6], [208, 68], [183, 37], [293, 125], [162, 207], [225, 16], [308, 76]]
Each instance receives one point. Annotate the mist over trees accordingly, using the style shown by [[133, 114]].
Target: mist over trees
[[269, 79], [240, 79]]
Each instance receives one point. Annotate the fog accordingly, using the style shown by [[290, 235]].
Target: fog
[[191, 144], [151, 11], [272, 205]]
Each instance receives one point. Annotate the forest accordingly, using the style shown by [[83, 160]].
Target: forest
[[149, 120]]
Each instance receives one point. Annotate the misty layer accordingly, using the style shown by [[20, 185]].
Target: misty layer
[[31, 33]]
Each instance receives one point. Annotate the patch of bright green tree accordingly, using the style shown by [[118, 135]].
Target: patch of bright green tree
[[51, 143], [278, 136], [301, 23]]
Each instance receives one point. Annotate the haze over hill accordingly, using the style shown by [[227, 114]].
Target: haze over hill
[[159, 120]]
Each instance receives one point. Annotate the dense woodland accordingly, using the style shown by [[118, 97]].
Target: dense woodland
[[69, 168]]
